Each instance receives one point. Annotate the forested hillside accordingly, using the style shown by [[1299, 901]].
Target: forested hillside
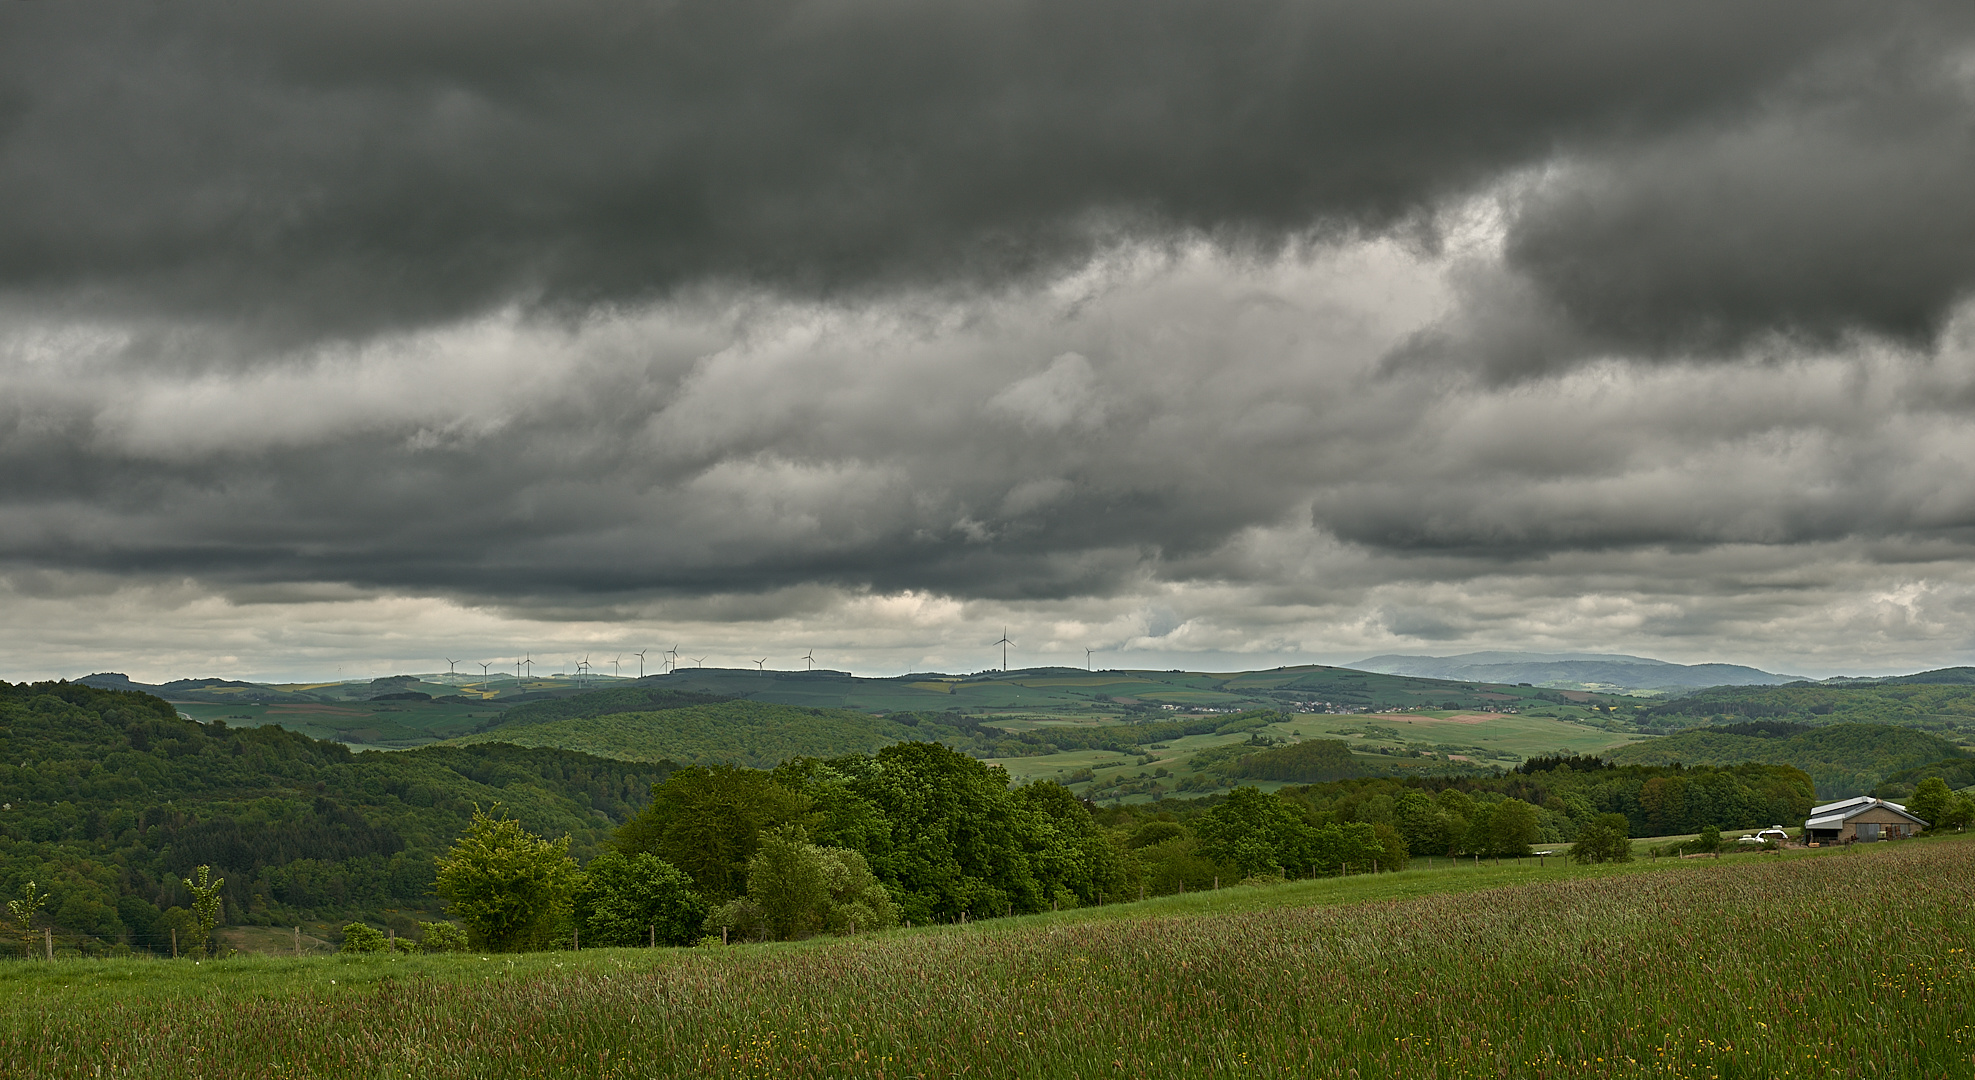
[[108, 798], [1843, 759], [751, 733], [1947, 710]]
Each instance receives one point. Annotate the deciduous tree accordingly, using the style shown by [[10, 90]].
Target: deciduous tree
[[510, 888]]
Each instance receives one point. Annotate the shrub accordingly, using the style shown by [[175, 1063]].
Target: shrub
[[441, 937], [362, 938], [1605, 840], [510, 887]]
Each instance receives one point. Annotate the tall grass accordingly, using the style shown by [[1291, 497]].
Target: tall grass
[[1840, 965]]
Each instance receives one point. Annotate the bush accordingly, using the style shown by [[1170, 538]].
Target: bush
[[510, 887], [1605, 840], [362, 938], [631, 899], [441, 937]]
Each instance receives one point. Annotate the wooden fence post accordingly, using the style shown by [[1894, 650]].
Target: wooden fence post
[[298, 941], [654, 935], [48, 941], [174, 943]]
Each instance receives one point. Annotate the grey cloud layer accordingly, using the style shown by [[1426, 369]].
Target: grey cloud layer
[[1124, 427], [299, 169], [577, 308]]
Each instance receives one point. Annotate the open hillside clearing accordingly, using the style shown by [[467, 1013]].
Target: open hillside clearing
[[1847, 963]]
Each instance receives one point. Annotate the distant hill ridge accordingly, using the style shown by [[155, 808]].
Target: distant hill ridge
[[1571, 670]]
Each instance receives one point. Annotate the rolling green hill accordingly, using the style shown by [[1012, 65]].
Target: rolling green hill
[[1843, 759], [403, 711], [1075, 693], [750, 733], [1947, 709], [108, 798]]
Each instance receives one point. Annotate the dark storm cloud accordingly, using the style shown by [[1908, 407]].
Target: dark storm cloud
[[571, 307], [341, 167]]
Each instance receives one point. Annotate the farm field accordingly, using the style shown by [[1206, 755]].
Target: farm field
[[1756, 966]]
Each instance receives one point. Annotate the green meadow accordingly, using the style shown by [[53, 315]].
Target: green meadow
[[1808, 964]]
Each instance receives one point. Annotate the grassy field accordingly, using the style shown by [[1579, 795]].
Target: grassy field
[[1847, 964]]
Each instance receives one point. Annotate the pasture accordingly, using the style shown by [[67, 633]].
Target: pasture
[[1840, 964]]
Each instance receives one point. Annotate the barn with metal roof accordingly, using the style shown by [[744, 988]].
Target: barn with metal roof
[[1860, 819]]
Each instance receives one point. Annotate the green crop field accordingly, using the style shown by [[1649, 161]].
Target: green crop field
[[1842, 964]]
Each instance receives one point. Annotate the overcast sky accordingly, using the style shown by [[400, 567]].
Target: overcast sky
[[348, 337]]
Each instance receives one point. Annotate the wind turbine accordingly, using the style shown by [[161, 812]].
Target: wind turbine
[[449, 664], [1087, 652], [810, 658], [483, 668], [530, 664], [674, 650], [1004, 643], [641, 663], [761, 664], [699, 661], [613, 667]]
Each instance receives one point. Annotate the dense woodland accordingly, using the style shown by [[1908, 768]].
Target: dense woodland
[[1946, 708], [107, 799], [1843, 759]]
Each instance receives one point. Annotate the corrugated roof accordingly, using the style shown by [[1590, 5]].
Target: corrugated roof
[[1856, 800], [1851, 808]]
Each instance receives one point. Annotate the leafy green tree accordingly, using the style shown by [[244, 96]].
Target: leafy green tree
[[23, 908], [441, 937], [1710, 839], [708, 822], [362, 938], [1257, 833], [1511, 828], [1932, 802], [628, 900], [1393, 853], [1606, 839], [508, 886], [856, 900], [785, 879], [206, 906], [1419, 822], [1961, 814]]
